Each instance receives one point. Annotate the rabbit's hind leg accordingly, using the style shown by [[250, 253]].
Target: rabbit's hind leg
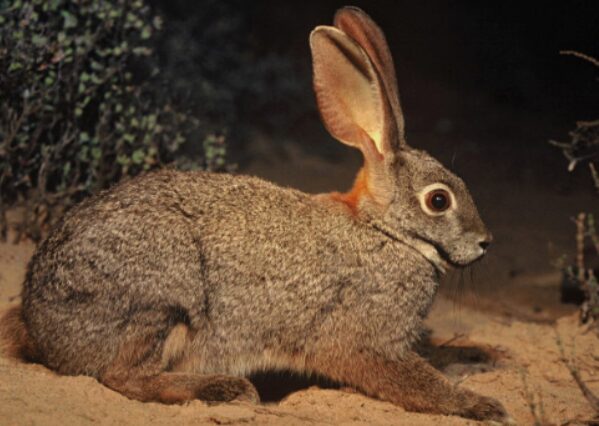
[[141, 371]]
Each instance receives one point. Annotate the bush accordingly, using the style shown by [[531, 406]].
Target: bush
[[211, 49], [80, 104]]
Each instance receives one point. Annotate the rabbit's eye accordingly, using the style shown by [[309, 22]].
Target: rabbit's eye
[[438, 200]]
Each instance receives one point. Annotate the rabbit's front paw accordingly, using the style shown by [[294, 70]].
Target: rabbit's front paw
[[480, 407]]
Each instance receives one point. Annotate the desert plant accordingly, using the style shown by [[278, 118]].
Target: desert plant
[[582, 273], [81, 105], [583, 147]]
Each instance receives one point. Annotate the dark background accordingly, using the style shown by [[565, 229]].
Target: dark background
[[506, 49], [473, 76]]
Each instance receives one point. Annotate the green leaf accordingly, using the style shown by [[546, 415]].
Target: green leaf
[[70, 20], [39, 40], [123, 160], [146, 33], [151, 120], [14, 66], [97, 66], [96, 153], [142, 51], [55, 4], [138, 156], [157, 22], [96, 79], [83, 153], [115, 13]]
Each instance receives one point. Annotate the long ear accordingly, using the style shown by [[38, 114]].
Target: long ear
[[351, 97], [359, 26]]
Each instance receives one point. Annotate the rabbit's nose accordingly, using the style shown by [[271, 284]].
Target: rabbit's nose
[[484, 244]]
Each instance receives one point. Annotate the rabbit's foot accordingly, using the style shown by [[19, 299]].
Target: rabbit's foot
[[177, 388], [479, 407]]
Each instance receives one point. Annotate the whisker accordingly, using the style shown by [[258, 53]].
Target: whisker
[[473, 289], [455, 296], [459, 296]]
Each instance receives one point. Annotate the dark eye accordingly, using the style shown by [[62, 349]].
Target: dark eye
[[438, 200]]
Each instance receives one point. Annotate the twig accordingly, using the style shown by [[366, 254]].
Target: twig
[[581, 56], [580, 219], [586, 392], [595, 176], [592, 229], [456, 336], [530, 400]]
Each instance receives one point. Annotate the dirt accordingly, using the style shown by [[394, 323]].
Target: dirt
[[497, 333]]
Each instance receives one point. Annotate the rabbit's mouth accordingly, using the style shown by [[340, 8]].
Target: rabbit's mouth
[[445, 257], [437, 255]]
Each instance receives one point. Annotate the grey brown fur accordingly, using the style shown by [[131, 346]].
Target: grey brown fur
[[175, 285]]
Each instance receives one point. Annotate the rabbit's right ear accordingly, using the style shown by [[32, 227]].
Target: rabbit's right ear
[[351, 96]]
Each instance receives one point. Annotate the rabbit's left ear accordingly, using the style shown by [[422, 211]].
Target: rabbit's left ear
[[351, 96], [359, 26]]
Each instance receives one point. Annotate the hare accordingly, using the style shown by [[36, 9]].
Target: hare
[[176, 285]]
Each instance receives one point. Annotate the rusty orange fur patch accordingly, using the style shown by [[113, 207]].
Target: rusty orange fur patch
[[352, 198]]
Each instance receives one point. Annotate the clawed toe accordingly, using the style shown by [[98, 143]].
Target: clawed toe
[[486, 408]]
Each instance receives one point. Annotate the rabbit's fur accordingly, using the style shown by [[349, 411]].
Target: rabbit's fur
[[175, 285]]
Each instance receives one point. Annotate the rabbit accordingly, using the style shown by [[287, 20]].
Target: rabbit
[[175, 285]]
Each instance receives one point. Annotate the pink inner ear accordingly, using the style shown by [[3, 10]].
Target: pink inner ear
[[349, 92], [336, 114], [369, 149]]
